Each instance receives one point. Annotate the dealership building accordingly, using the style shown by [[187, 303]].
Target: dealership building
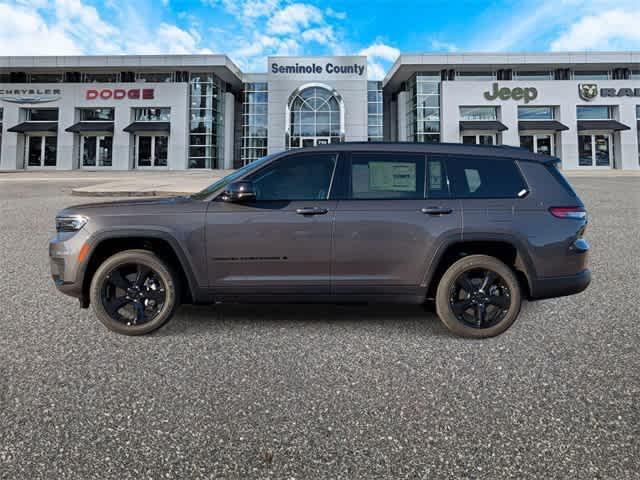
[[181, 112]]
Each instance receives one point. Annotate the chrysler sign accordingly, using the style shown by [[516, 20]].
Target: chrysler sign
[[120, 94], [30, 95]]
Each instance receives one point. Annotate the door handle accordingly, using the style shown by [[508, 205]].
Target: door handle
[[311, 211], [436, 211]]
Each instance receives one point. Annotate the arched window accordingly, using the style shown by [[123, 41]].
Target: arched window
[[315, 117]]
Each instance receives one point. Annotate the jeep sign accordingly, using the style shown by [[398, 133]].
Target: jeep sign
[[517, 93]]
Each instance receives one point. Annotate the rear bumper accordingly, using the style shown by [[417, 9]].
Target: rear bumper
[[560, 286]]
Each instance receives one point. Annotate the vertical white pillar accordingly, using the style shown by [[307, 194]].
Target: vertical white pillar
[[402, 116], [229, 127], [627, 156], [568, 146], [11, 153]]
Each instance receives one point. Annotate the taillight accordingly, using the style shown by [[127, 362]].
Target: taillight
[[577, 213]]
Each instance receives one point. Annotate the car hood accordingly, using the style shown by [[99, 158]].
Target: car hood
[[130, 206]]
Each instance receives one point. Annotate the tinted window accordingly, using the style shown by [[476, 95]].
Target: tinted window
[[437, 184], [387, 176], [474, 177], [296, 177]]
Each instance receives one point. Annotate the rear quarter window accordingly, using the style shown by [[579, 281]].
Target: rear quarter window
[[564, 184], [479, 177]]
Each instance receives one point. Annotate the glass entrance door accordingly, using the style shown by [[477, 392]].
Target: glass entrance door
[[41, 151], [538, 143], [151, 150], [96, 150], [595, 150], [480, 139]]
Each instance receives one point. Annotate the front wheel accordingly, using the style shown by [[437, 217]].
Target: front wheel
[[478, 296], [134, 292]]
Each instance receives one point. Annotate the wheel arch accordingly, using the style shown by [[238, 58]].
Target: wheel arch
[[163, 244], [508, 249]]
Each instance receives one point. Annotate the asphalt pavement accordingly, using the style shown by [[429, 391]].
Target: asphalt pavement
[[323, 392]]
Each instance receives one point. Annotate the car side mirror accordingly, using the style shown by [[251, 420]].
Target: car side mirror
[[242, 191]]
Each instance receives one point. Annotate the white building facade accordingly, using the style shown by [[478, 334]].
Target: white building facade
[[201, 112]]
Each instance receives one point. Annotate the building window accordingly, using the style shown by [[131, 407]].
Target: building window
[[374, 110], [534, 75], [42, 115], [315, 117], [97, 114], [255, 99], [46, 77], [478, 75], [634, 75], [103, 77], [637, 118], [536, 113], [152, 114], [594, 112], [155, 77], [479, 113], [592, 75], [206, 122], [423, 108]]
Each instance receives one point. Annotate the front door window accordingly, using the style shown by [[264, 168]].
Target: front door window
[[595, 150], [96, 151], [152, 150], [42, 151]]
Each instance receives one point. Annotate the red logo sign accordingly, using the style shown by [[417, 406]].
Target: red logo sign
[[121, 93]]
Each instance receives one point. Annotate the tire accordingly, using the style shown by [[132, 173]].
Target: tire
[[506, 291], [160, 277]]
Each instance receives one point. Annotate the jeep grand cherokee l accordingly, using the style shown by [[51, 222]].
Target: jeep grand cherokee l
[[475, 228]]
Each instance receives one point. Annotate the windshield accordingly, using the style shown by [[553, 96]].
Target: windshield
[[223, 182]]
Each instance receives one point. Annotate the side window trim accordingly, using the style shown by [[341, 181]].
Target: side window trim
[[347, 182]]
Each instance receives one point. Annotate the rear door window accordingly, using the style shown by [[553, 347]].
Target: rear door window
[[386, 176], [478, 177]]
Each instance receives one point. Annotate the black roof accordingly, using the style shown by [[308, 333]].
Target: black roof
[[495, 151]]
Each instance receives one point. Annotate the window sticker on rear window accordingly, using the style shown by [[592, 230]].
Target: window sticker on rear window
[[392, 176]]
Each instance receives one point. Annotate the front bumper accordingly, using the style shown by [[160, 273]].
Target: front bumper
[[560, 286], [66, 269]]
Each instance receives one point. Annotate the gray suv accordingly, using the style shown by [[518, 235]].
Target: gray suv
[[475, 229]]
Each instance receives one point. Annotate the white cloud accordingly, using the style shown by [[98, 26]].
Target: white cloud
[[293, 18], [380, 50], [439, 46], [332, 13], [379, 58], [321, 35], [613, 29], [25, 32]]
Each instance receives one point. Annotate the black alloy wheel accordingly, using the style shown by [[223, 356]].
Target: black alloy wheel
[[134, 292], [478, 296]]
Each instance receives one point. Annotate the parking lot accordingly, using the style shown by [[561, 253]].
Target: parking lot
[[320, 391]]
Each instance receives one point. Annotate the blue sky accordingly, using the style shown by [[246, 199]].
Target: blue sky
[[250, 30]]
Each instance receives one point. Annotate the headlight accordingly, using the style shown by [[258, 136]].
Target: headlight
[[70, 223]]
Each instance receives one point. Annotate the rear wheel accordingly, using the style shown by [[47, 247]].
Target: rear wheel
[[134, 292], [478, 296]]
